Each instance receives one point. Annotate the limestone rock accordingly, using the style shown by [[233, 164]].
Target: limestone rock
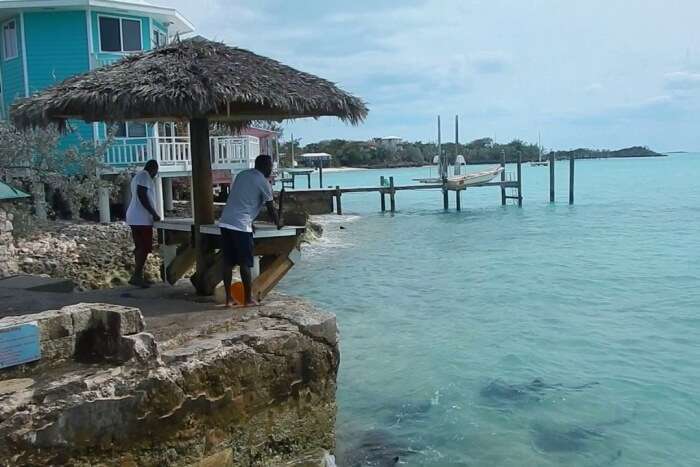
[[254, 390], [94, 256]]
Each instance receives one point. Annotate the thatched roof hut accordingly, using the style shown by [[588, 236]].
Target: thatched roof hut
[[196, 80], [193, 78]]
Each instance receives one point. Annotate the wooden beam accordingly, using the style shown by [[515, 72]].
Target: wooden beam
[[266, 281], [178, 267], [274, 245], [203, 200]]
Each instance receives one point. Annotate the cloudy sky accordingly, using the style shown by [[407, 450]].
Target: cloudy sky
[[595, 73]]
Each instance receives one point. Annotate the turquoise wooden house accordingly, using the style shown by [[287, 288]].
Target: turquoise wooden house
[[43, 42]]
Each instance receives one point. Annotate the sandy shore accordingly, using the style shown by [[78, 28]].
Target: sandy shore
[[343, 169]]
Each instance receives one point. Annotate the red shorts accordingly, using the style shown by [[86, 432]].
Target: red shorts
[[143, 237]]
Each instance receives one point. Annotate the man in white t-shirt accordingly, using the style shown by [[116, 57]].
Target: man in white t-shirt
[[140, 216], [251, 190]]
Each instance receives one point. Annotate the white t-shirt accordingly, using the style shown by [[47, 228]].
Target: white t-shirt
[[137, 214], [249, 192]]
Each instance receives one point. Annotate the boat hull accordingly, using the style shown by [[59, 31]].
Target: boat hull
[[470, 179]]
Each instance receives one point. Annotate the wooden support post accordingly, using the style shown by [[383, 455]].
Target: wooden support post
[[503, 179], [320, 175], [571, 180], [203, 199], [445, 200], [520, 179], [381, 194], [338, 204], [103, 197], [308, 180], [168, 194], [392, 195], [551, 177], [458, 196]]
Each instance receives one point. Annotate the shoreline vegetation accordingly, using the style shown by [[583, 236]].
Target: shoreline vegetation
[[375, 154]]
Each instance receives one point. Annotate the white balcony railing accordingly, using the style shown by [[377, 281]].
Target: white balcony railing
[[98, 61], [174, 153]]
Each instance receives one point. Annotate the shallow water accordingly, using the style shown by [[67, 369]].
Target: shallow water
[[434, 306]]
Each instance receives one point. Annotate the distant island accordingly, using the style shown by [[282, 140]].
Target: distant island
[[380, 153]]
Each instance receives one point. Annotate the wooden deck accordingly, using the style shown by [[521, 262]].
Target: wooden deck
[[275, 250]]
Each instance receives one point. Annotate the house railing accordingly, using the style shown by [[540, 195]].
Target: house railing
[[98, 61], [173, 153]]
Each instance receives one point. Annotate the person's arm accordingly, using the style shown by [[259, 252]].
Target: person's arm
[[142, 193], [273, 213]]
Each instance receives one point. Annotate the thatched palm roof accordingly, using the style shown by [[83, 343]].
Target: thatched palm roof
[[193, 78]]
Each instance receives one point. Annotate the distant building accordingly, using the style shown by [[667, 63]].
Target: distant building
[[389, 142]]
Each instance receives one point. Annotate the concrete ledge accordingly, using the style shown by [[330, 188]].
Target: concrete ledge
[[75, 331]]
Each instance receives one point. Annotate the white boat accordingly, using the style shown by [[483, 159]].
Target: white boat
[[456, 182], [539, 162]]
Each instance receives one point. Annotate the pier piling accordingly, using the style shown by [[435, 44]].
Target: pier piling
[[571, 180], [392, 195], [381, 193], [520, 180], [551, 177], [445, 199], [458, 200], [503, 178], [338, 204]]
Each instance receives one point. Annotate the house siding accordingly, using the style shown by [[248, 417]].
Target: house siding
[[12, 70], [106, 57], [57, 49]]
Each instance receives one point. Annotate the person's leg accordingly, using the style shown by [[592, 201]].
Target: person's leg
[[140, 255], [228, 253], [247, 279], [244, 258], [140, 258], [228, 274]]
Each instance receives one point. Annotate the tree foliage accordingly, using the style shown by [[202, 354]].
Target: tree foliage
[[35, 158], [480, 151]]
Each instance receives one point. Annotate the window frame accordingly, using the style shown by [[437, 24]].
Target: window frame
[[5, 58], [121, 20], [127, 133], [159, 38]]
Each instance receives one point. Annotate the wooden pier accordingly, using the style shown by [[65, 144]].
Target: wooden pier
[[510, 187], [387, 188]]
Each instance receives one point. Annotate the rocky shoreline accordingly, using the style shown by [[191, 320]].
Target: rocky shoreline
[[93, 256], [178, 388]]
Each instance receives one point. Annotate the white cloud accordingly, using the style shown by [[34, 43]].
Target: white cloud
[[507, 66], [683, 80]]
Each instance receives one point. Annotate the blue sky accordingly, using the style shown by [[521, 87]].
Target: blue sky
[[594, 73]]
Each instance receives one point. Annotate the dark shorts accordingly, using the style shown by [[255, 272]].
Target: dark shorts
[[143, 237], [237, 247]]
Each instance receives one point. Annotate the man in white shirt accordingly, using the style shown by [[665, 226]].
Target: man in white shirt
[[251, 190], [140, 216]]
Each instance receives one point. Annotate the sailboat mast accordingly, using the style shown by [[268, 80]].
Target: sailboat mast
[[442, 169], [456, 136]]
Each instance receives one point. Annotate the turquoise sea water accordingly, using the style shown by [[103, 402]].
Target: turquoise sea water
[[447, 318]]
